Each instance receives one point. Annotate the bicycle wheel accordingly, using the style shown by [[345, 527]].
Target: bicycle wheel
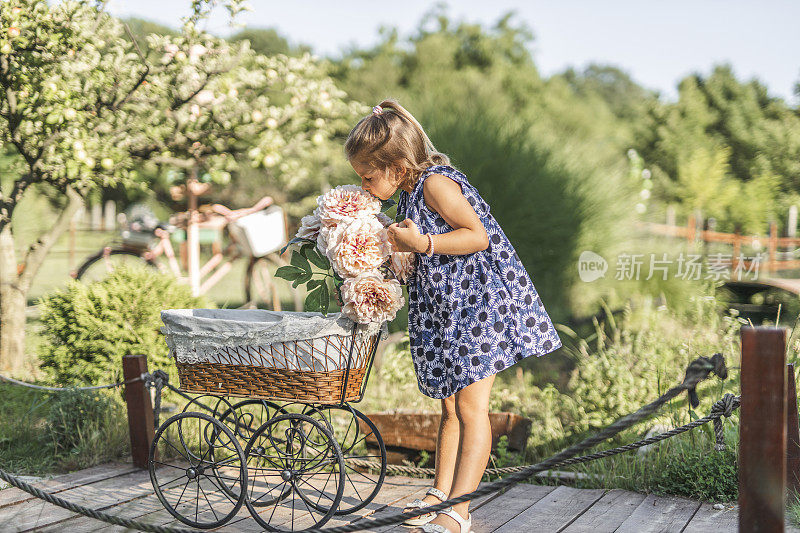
[[194, 451], [260, 287], [297, 453], [101, 264], [359, 441]]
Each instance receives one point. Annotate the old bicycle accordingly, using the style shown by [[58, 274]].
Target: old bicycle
[[253, 234]]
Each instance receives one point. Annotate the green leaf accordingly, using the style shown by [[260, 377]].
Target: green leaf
[[314, 284], [312, 302], [692, 415], [300, 262], [387, 204], [317, 258], [288, 272], [324, 297], [304, 277]]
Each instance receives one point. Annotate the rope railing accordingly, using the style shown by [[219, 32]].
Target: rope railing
[[56, 389], [698, 370]]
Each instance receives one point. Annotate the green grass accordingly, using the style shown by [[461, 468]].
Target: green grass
[[51, 439]]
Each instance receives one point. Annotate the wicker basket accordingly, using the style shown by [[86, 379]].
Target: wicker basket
[[268, 381]]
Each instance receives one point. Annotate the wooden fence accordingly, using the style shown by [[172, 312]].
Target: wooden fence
[[780, 252]]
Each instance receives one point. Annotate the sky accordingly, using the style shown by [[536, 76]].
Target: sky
[[656, 42]]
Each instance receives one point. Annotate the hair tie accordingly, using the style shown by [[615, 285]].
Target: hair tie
[[377, 110]]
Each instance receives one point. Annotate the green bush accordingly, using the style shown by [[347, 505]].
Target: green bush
[[87, 328], [702, 475]]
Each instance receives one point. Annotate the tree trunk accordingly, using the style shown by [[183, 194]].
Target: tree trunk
[[15, 283], [12, 307]]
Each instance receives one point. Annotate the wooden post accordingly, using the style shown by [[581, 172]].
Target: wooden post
[[772, 261], [690, 229], [140, 409], [670, 215], [110, 216], [792, 433], [193, 235], [762, 430]]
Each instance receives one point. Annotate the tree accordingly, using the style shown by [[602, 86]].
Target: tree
[[549, 161], [83, 107], [268, 42], [719, 111]]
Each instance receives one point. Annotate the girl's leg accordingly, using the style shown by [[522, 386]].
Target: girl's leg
[[472, 410], [446, 449]]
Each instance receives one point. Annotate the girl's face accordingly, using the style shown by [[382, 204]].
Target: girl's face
[[380, 183]]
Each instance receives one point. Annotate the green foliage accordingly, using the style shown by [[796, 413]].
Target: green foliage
[[88, 328], [268, 42], [62, 431], [734, 130], [72, 413], [705, 475], [301, 271]]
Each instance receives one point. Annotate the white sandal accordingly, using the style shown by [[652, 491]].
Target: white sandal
[[465, 524], [419, 504]]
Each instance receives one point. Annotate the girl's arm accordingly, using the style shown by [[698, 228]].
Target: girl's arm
[[444, 196]]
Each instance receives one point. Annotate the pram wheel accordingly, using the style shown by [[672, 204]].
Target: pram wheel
[[244, 418], [359, 440], [194, 452], [292, 460]]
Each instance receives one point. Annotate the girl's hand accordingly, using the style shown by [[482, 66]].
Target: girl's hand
[[405, 237]]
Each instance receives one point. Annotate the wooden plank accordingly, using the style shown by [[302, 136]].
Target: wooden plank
[[554, 511], [762, 431], [709, 519], [608, 513], [394, 508], [475, 504], [419, 431], [13, 496], [508, 505], [659, 514], [101, 495], [393, 491]]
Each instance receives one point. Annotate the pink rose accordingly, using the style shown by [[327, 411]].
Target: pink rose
[[370, 298], [357, 247], [309, 227], [403, 264], [346, 202]]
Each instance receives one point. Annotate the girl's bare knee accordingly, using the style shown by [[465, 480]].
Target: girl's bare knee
[[471, 410]]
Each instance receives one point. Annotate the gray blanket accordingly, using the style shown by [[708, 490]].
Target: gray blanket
[[197, 335]]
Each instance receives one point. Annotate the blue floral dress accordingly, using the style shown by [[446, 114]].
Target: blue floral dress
[[469, 316]]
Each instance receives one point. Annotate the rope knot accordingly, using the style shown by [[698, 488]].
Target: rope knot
[[725, 405], [698, 370]]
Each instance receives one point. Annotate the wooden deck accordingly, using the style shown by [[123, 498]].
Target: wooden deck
[[123, 490]]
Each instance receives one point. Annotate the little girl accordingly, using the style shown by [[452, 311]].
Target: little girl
[[473, 310]]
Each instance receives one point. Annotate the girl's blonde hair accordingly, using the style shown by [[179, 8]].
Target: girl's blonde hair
[[393, 137]]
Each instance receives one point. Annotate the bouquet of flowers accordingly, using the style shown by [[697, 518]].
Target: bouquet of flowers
[[345, 238]]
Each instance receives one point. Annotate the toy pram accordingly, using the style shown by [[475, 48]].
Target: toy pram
[[288, 450]]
